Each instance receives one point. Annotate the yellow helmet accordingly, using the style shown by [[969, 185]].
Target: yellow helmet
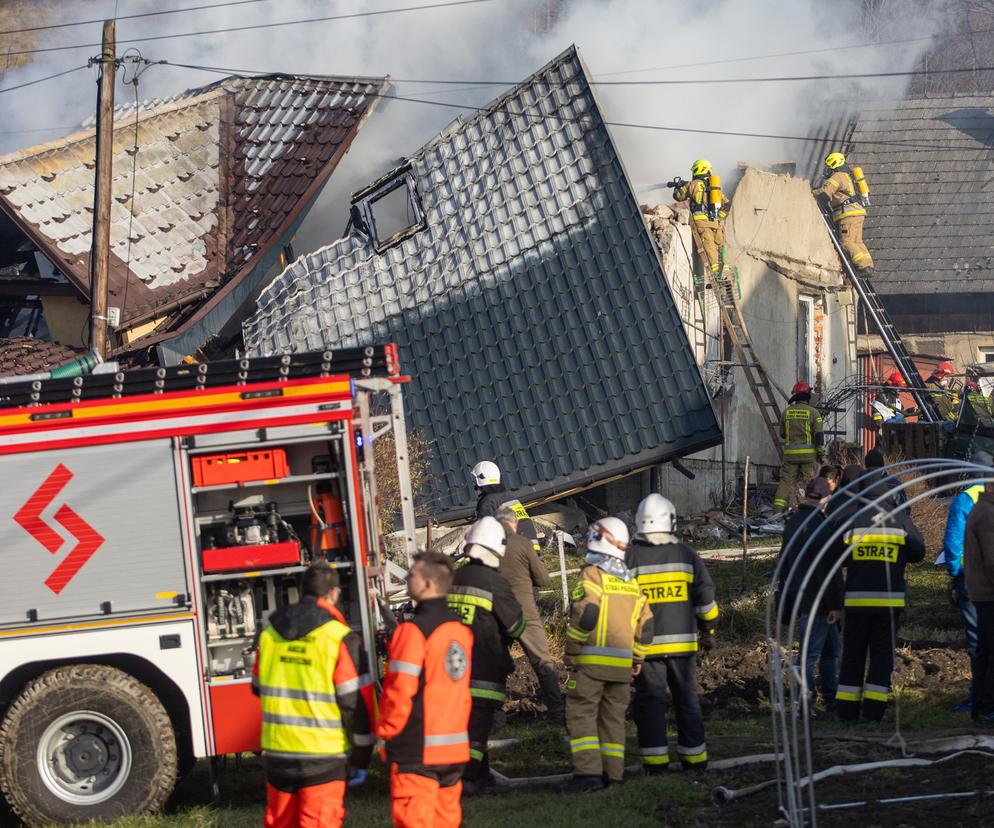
[[700, 167], [834, 160]]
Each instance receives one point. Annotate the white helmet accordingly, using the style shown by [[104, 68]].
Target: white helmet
[[655, 514], [608, 536], [485, 541], [486, 473]]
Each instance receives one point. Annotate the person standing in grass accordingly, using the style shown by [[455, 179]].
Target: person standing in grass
[[978, 564]]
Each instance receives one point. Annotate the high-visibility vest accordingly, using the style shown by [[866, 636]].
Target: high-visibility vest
[[300, 713]]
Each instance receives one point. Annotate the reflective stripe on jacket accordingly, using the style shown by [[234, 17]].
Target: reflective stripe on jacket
[[875, 560], [841, 191], [300, 712], [801, 427]]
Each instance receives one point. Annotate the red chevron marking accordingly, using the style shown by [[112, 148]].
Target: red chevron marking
[[89, 541], [29, 515]]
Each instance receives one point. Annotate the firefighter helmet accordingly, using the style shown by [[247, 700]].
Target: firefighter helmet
[[608, 536], [655, 514], [800, 387], [485, 541], [486, 473], [897, 379], [834, 160], [972, 385], [944, 369], [700, 167]]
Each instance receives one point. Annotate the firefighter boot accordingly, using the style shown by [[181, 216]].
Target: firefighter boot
[[866, 273], [582, 783]]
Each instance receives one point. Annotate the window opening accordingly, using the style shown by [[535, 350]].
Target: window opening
[[806, 339], [389, 210]]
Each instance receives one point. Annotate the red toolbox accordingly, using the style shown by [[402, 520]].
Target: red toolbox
[[239, 467], [250, 558]]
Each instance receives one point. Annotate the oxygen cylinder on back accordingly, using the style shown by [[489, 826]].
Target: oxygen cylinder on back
[[861, 186], [715, 197]]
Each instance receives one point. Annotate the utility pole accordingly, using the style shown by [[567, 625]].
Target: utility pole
[[100, 251]]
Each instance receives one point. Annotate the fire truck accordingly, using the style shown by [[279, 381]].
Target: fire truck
[[151, 520]]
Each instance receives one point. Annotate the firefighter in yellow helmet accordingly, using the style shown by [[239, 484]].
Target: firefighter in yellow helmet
[[841, 188], [801, 427], [708, 208]]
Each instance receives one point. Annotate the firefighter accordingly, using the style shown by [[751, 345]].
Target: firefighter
[[708, 209], [424, 712], [680, 594], [940, 392], [610, 625], [317, 700], [980, 405], [875, 550], [524, 572], [492, 494], [482, 598], [803, 451], [839, 187], [887, 406]]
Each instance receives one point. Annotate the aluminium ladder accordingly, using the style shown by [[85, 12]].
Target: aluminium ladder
[[888, 333], [735, 326]]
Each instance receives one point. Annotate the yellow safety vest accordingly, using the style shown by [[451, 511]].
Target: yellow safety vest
[[300, 713]]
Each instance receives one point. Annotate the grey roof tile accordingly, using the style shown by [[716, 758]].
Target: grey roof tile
[[532, 311]]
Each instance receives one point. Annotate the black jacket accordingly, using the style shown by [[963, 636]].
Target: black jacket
[[818, 531], [978, 548], [491, 498], [482, 598]]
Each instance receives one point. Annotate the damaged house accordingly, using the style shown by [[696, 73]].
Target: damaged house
[[209, 189], [509, 260]]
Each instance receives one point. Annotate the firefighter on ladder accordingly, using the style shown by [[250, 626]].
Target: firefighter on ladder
[[317, 699], [610, 625], [680, 593], [942, 395], [846, 191], [801, 428], [482, 598], [708, 208]]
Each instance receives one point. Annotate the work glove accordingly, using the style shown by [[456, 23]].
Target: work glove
[[705, 635], [357, 776]]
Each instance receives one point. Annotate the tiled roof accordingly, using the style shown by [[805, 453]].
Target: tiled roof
[[931, 224], [26, 355], [221, 173], [531, 310]]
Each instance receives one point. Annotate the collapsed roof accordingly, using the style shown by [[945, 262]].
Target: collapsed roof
[[223, 175], [509, 260]]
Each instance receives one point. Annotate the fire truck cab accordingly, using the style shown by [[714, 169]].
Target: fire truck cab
[[151, 521]]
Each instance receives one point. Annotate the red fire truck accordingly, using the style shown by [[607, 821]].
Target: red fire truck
[[150, 522]]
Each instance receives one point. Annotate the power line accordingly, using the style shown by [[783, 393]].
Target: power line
[[42, 80], [256, 26], [130, 16]]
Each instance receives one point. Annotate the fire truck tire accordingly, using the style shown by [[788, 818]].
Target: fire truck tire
[[83, 742]]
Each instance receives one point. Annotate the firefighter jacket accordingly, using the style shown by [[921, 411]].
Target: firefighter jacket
[[874, 554], [679, 592], [952, 541], [978, 550], [482, 598], [942, 399], [804, 537], [493, 497], [315, 689], [610, 623], [424, 710], [696, 192], [981, 409], [801, 428], [842, 194]]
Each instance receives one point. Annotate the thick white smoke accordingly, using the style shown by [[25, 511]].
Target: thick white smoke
[[504, 41]]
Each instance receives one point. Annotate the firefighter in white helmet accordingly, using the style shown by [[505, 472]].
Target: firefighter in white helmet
[[482, 598], [493, 494], [610, 625], [680, 593]]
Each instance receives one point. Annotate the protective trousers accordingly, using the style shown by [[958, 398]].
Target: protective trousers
[[851, 239], [866, 634], [313, 806], [793, 477], [712, 238], [481, 722], [595, 721], [429, 798], [983, 665], [679, 673], [536, 647]]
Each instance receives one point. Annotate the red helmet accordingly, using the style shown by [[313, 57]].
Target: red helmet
[[896, 379], [944, 369], [800, 387], [972, 385]]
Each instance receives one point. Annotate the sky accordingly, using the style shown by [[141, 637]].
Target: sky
[[499, 42]]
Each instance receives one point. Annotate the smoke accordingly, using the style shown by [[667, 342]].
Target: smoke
[[499, 43]]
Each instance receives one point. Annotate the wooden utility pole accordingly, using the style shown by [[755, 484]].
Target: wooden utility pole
[[100, 251]]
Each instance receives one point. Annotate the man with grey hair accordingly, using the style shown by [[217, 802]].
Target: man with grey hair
[[523, 570]]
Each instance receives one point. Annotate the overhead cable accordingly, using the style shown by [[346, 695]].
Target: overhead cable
[[42, 80]]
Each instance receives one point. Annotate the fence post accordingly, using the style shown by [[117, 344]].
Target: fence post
[[562, 568]]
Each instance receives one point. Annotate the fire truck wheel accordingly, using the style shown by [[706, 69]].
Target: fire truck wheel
[[85, 742]]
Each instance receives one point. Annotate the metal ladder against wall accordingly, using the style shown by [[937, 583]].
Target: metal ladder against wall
[[738, 333], [888, 333]]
